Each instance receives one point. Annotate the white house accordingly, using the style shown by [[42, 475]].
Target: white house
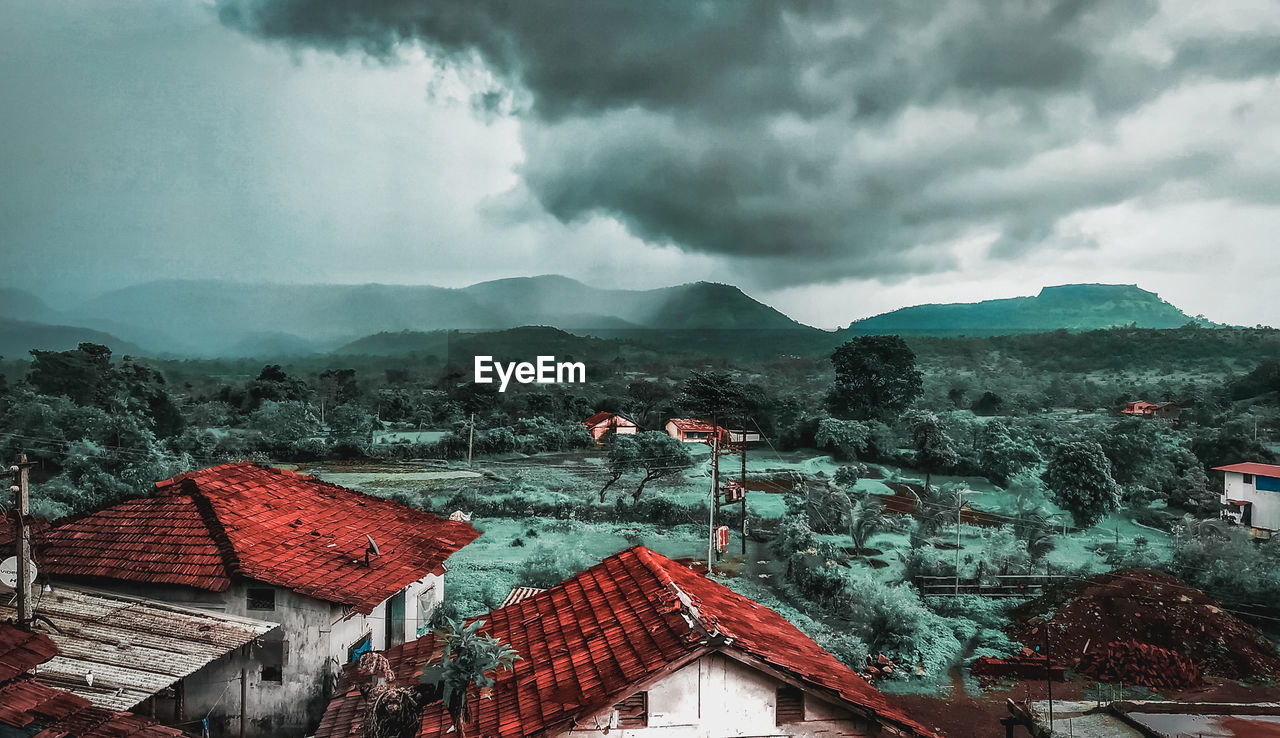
[[340, 571], [640, 646], [1251, 496]]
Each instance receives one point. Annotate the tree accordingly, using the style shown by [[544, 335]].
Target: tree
[[715, 394], [867, 519], [351, 430], [848, 475], [659, 455], [1079, 476], [932, 445], [988, 404], [845, 438], [1002, 457], [876, 377], [82, 374], [624, 456]]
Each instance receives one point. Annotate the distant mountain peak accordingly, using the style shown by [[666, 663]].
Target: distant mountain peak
[[1074, 307]]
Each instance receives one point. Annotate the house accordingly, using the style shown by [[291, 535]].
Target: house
[[1251, 496], [641, 646], [604, 422], [1144, 409], [123, 653], [692, 430], [341, 572], [30, 707]]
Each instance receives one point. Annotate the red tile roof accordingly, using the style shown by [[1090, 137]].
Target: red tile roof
[[595, 638], [248, 520], [29, 705], [1249, 467], [601, 417], [691, 424], [21, 651]]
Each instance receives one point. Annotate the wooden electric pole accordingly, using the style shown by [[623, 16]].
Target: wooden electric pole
[[743, 481], [471, 437], [21, 472], [715, 494]]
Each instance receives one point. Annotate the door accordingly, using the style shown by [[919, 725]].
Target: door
[[395, 620]]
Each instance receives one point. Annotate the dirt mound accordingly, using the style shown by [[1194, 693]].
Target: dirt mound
[[1142, 606], [1140, 663]]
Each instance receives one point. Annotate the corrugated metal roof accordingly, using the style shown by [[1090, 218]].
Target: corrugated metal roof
[[134, 647], [249, 520], [39, 709]]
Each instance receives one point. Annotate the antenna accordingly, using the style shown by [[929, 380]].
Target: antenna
[[372, 549]]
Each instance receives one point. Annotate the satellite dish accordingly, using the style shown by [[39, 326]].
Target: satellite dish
[[373, 546], [9, 572]]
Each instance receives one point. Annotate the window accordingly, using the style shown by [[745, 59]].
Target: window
[[790, 705], [261, 598], [1248, 479], [361, 646], [633, 712], [271, 656]]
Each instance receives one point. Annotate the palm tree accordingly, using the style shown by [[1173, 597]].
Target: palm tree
[[865, 520]]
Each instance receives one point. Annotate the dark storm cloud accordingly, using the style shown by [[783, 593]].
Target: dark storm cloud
[[815, 140]]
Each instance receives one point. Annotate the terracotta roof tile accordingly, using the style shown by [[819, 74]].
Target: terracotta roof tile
[[247, 520], [589, 640]]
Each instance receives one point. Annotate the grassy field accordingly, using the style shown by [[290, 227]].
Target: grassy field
[[581, 531]]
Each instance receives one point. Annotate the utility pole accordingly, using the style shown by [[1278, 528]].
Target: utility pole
[[21, 472], [743, 491], [1048, 676], [959, 509], [715, 494], [471, 438]]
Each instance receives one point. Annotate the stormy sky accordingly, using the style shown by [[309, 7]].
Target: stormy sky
[[833, 159]]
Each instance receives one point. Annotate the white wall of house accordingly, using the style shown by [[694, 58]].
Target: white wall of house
[[719, 697], [311, 646], [1265, 513]]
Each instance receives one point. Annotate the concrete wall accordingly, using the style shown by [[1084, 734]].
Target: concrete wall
[[313, 641], [1266, 504], [718, 697]]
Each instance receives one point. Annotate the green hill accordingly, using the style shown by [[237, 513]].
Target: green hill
[[1072, 307]]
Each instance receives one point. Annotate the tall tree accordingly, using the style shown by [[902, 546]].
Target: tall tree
[[876, 377], [659, 455], [1079, 476], [624, 456], [933, 447]]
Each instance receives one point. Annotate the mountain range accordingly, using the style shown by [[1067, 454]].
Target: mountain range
[[234, 319]]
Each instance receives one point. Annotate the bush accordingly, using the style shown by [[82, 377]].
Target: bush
[[548, 567]]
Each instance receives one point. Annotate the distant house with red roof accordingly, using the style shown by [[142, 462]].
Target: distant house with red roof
[[602, 423], [31, 708], [693, 430], [341, 571], [1144, 409], [640, 645], [1251, 496]]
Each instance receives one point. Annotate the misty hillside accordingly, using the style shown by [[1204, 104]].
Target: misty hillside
[[18, 337], [18, 304], [211, 317], [1072, 307]]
